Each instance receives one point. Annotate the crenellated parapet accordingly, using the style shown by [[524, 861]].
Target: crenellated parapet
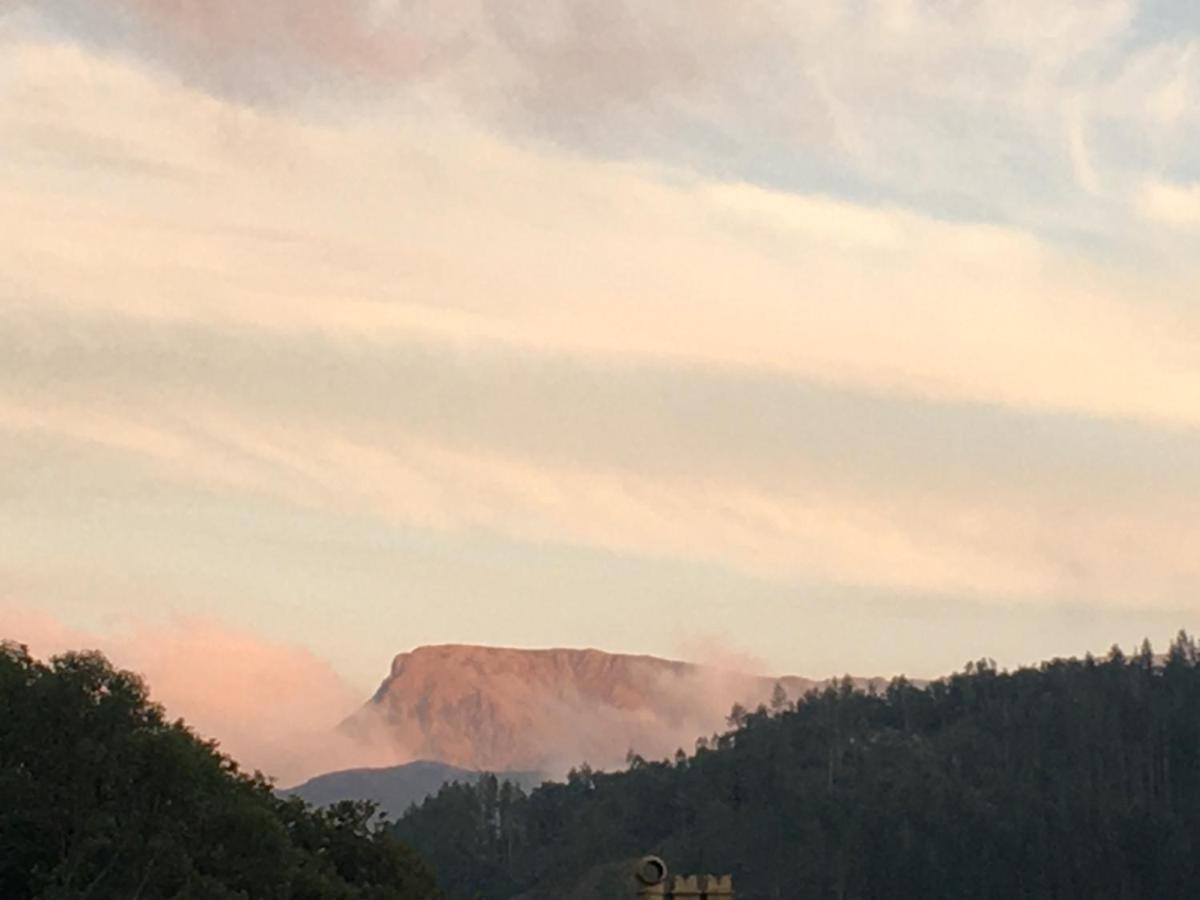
[[653, 881]]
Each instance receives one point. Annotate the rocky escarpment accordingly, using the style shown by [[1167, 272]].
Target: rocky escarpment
[[545, 710]]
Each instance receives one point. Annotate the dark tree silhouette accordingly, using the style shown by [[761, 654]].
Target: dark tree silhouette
[[102, 797], [1075, 779]]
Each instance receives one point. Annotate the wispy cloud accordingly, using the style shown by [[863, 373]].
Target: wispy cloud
[[892, 520], [960, 109], [896, 298], [479, 242]]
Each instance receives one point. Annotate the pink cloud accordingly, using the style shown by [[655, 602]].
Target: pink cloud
[[572, 59], [271, 705], [257, 45]]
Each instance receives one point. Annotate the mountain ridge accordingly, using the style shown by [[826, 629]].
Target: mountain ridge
[[482, 707], [393, 788]]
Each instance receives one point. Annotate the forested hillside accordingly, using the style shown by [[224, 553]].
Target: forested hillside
[[1078, 778], [101, 796]]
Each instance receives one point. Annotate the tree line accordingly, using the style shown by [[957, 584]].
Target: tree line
[[1072, 779]]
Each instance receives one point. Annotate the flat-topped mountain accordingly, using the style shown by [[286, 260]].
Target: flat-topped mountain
[[501, 709]]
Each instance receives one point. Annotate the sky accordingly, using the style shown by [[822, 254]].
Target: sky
[[846, 336]]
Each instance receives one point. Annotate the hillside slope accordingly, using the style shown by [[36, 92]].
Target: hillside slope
[[392, 788]]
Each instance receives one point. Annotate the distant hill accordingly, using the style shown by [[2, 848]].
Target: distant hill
[[501, 709], [393, 788]]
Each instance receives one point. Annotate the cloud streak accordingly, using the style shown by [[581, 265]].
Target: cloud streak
[[784, 517]]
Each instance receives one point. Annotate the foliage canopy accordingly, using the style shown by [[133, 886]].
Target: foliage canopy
[[101, 796]]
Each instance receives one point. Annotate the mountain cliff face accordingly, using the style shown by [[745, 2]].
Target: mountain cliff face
[[545, 710]]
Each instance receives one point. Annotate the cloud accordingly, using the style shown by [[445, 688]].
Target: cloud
[[357, 240], [484, 242], [787, 517], [272, 706], [1157, 86], [794, 293], [1175, 205], [273, 50], [956, 107]]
